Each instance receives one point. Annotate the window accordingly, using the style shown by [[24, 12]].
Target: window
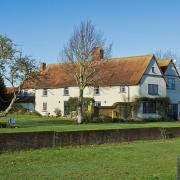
[[45, 92], [149, 107], [25, 93], [122, 89], [97, 103], [153, 89], [44, 107], [172, 112], [96, 90], [171, 83], [66, 108], [66, 91], [153, 69]]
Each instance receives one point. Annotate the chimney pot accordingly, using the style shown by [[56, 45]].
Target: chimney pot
[[43, 67], [97, 54]]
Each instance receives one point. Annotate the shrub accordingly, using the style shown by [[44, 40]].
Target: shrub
[[18, 108], [73, 114], [105, 119], [159, 119], [87, 117], [162, 104], [73, 103], [57, 111]]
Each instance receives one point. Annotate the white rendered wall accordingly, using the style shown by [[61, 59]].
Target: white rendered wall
[[54, 99], [151, 78], [108, 96]]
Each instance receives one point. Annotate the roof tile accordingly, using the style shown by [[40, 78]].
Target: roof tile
[[115, 71]]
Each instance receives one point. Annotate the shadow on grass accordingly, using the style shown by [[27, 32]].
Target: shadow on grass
[[45, 123], [58, 122], [63, 122]]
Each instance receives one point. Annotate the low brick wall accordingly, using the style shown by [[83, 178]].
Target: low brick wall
[[172, 132], [25, 140], [35, 140], [106, 136]]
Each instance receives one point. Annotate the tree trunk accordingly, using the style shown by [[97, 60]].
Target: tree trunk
[[80, 107], [6, 111]]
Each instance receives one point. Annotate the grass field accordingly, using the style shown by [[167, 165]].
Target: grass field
[[150, 160], [38, 123]]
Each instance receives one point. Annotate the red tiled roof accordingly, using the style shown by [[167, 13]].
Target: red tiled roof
[[126, 71], [116, 71], [163, 64], [9, 90]]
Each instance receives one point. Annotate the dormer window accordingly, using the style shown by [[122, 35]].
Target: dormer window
[[96, 90], [45, 93], [66, 91], [153, 69]]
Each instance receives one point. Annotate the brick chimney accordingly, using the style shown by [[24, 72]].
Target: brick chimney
[[42, 67], [97, 54]]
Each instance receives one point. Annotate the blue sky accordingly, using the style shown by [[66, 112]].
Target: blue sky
[[136, 27]]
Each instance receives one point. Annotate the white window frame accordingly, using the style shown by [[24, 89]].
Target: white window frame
[[122, 89], [25, 92], [171, 85], [45, 92], [152, 89], [66, 91], [97, 103], [96, 90], [44, 107]]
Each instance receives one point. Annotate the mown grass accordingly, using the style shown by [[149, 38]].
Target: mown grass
[[138, 160], [28, 123]]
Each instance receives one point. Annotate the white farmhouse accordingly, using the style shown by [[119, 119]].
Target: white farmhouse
[[122, 80]]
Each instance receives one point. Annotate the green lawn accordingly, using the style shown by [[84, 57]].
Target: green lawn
[[138, 160], [38, 123]]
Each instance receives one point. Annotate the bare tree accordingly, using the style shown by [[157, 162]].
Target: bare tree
[[78, 55], [168, 54], [14, 68]]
